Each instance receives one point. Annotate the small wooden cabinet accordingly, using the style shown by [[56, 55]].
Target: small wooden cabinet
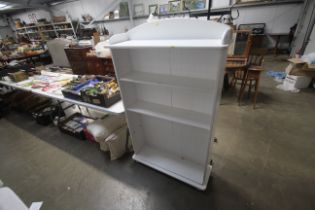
[[83, 64], [100, 66]]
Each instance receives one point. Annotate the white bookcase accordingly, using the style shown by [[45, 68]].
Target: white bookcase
[[170, 73]]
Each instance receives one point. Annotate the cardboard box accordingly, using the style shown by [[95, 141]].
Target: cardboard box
[[299, 82], [297, 67]]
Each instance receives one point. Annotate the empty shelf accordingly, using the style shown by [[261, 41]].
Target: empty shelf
[[183, 116], [168, 80], [191, 43], [171, 164]]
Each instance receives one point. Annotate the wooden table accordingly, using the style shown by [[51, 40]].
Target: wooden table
[[278, 39]]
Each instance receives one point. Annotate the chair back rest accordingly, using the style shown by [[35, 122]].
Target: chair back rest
[[256, 56], [241, 43], [56, 48]]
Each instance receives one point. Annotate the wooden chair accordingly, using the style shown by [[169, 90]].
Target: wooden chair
[[252, 74], [238, 54]]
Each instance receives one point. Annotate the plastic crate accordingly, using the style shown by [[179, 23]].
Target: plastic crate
[[101, 99], [75, 92]]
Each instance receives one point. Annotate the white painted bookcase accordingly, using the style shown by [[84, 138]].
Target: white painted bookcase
[[170, 73]]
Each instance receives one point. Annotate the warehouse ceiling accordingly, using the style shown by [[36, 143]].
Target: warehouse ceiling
[[9, 6]]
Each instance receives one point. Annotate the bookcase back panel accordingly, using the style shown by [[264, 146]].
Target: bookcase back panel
[[175, 97], [185, 141]]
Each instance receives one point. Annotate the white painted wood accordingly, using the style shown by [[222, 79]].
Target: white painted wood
[[173, 166], [172, 114], [168, 80], [170, 73], [182, 140], [177, 29], [171, 163], [183, 98], [201, 43]]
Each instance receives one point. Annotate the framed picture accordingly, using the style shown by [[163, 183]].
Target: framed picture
[[163, 9], [175, 6], [123, 9], [138, 10], [194, 4], [153, 8]]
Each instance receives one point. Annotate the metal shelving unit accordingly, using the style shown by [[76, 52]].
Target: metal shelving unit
[[38, 29]]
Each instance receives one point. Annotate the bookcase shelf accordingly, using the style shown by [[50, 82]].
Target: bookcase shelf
[[173, 114], [175, 166], [170, 81]]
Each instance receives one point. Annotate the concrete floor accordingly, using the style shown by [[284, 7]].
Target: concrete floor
[[264, 159]]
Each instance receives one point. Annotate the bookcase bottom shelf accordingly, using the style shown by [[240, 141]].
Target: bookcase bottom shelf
[[172, 165]]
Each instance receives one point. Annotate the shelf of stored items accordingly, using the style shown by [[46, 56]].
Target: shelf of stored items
[[31, 32], [47, 28], [64, 29], [62, 23], [170, 83], [47, 31], [26, 27]]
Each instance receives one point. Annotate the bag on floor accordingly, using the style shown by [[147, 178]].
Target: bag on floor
[[117, 143], [101, 129], [46, 115]]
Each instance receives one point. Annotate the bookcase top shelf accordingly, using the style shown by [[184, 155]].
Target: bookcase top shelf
[[175, 33], [185, 43]]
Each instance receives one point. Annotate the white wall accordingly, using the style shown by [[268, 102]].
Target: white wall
[[310, 48], [5, 29], [24, 16], [278, 18], [220, 3]]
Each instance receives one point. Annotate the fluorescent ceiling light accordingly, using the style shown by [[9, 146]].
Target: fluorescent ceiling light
[[2, 5], [6, 7]]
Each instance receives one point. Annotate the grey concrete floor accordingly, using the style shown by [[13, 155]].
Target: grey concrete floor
[[264, 159]]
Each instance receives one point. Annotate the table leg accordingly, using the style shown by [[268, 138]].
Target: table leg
[[226, 84], [276, 45]]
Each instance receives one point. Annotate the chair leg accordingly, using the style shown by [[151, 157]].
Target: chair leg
[[242, 90], [232, 82], [256, 93], [249, 89], [243, 86]]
